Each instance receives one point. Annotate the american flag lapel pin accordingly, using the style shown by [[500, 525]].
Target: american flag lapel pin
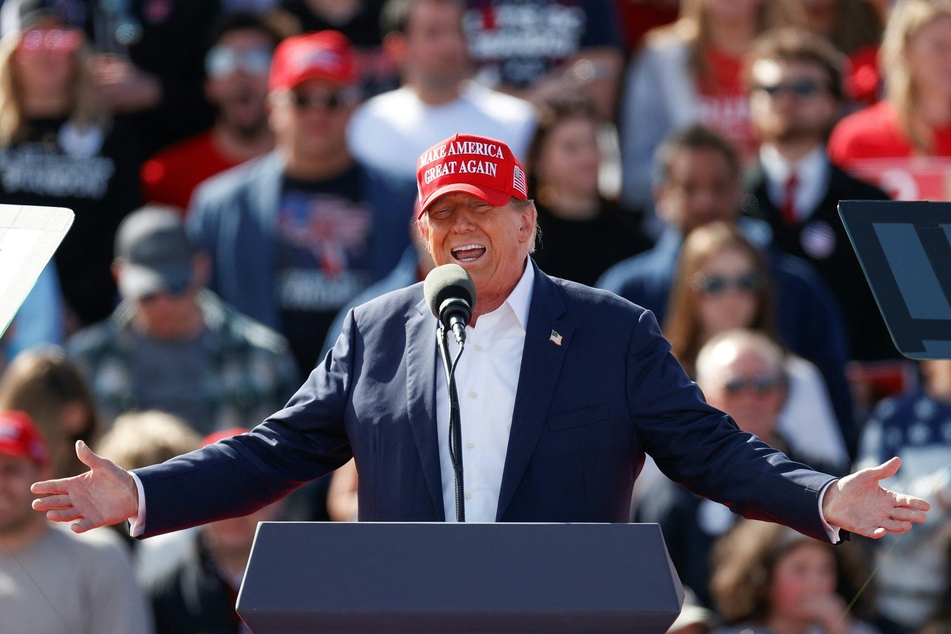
[[555, 338]]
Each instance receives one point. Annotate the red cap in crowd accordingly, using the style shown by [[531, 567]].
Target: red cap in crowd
[[214, 437], [19, 437], [477, 165], [320, 55]]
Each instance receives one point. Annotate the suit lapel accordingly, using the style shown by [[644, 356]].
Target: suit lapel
[[542, 359], [421, 396]]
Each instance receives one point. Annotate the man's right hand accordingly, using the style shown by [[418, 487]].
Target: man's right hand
[[104, 495]]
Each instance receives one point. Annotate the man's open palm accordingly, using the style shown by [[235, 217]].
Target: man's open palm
[[104, 495], [859, 504]]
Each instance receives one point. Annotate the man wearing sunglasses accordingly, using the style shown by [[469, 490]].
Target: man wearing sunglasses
[[700, 182], [236, 68], [796, 97], [296, 234]]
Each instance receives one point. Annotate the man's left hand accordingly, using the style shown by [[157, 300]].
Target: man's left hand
[[858, 503]]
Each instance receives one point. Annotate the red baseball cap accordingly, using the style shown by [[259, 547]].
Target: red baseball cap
[[19, 437], [477, 165], [319, 55]]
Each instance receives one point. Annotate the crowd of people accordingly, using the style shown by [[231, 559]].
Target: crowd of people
[[243, 173]]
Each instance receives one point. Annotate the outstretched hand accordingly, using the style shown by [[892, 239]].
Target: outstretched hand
[[104, 495], [858, 503]]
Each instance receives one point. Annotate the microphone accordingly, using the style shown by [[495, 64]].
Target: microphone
[[451, 296]]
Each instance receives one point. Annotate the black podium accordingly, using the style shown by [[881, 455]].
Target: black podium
[[428, 577]]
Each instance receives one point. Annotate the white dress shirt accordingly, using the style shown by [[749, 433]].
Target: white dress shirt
[[486, 381], [812, 176]]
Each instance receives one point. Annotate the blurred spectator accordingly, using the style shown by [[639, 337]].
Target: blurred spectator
[[59, 148], [700, 183], [174, 346], [541, 49], [582, 233], [722, 283], [744, 373], [199, 594], [295, 235], [359, 20], [691, 72], [854, 27], [768, 578], [640, 16], [413, 267], [904, 141], [916, 427], [95, 593], [149, 61], [390, 131], [236, 66], [140, 439], [795, 83], [49, 388], [39, 320]]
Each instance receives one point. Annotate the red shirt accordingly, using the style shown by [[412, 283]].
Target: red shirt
[[874, 133], [171, 175], [723, 102]]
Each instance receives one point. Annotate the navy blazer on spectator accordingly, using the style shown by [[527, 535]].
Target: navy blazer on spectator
[[586, 411]]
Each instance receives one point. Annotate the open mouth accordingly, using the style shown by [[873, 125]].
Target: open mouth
[[468, 252]]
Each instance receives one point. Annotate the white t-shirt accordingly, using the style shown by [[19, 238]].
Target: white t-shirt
[[390, 131]]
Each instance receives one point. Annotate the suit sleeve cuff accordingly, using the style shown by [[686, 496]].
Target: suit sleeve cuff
[[137, 524], [831, 531]]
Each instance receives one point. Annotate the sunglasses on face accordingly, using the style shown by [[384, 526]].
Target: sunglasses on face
[[54, 40], [222, 61], [321, 100], [717, 284], [762, 384], [802, 89]]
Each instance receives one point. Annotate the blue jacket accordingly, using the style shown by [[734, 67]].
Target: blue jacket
[[586, 412], [233, 216], [807, 317]]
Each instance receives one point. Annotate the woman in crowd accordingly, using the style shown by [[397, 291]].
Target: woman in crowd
[[722, 282], [582, 233], [58, 148], [770, 579], [914, 118], [691, 72], [854, 27], [45, 385]]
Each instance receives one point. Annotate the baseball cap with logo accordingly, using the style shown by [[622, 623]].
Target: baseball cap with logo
[[20, 438], [321, 55], [477, 165], [155, 253]]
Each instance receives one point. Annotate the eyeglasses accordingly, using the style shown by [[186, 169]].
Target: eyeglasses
[[707, 284], [321, 100], [762, 384], [53, 40], [802, 89], [222, 61]]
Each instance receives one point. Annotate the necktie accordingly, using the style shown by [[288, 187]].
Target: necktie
[[789, 201]]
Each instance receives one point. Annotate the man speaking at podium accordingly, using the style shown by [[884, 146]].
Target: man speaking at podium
[[563, 390]]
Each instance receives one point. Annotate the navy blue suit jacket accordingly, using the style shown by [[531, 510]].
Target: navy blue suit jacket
[[586, 411]]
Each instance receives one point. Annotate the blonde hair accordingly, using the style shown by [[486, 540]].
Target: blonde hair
[[693, 27], [86, 107], [906, 21], [141, 439]]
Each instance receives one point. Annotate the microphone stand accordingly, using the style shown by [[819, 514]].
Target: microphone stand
[[455, 420]]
